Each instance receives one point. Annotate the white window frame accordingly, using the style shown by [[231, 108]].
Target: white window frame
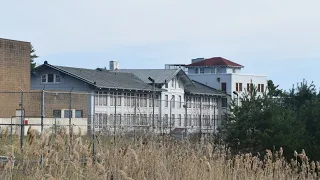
[[45, 76]]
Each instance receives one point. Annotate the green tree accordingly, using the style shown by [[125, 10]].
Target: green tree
[[273, 89], [261, 123], [33, 56]]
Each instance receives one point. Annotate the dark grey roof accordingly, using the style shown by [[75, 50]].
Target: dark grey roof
[[202, 89], [160, 76], [104, 79]]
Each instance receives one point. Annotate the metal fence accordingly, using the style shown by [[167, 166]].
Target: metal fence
[[111, 112]]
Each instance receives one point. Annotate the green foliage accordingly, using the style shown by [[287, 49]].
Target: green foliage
[[276, 119], [33, 56]]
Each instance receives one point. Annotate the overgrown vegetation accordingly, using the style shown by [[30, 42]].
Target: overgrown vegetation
[[49, 156], [277, 119]]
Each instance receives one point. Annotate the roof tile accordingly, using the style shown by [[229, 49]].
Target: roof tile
[[215, 61]]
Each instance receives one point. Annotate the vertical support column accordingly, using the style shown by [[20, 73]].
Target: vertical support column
[[70, 116], [135, 116], [115, 118], [22, 121], [42, 109], [93, 130], [200, 120], [153, 97]]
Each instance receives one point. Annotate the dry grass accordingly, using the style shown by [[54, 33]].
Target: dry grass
[[145, 160]]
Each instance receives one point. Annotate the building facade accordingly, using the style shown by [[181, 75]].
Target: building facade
[[225, 75], [125, 97], [14, 74]]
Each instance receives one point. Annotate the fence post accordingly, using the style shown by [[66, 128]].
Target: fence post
[[200, 120], [42, 109], [115, 119], [135, 117], [214, 119], [22, 122], [70, 116], [93, 130]]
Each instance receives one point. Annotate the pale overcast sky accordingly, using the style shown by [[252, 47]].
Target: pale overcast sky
[[278, 38]]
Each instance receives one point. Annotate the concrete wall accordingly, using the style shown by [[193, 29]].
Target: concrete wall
[[49, 124]]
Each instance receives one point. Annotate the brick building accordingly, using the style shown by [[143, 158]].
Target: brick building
[[14, 74], [15, 78]]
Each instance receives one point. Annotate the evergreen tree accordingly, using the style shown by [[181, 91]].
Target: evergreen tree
[[33, 56]]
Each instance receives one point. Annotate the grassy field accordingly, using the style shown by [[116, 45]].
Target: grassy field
[[143, 159]]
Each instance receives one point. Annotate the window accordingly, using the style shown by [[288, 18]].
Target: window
[[173, 103], [224, 87], [196, 70], [112, 98], [119, 99], [166, 85], [249, 86], [103, 99], [179, 86], [126, 99], [239, 87], [44, 78], [166, 101], [173, 120], [180, 101], [96, 99], [218, 69], [234, 70], [224, 102], [57, 113], [180, 120], [173, 82], [79, 114], [201, 70], [145, 100], [57, 76], [262, 87], [50, 78], [133, 99], [194, 102], [213, 70], [165, 123], [67, 113]]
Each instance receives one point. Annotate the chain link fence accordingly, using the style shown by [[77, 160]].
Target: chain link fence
[[110, 112]]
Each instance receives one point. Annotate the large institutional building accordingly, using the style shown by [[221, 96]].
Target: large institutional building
[[222, 74]]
